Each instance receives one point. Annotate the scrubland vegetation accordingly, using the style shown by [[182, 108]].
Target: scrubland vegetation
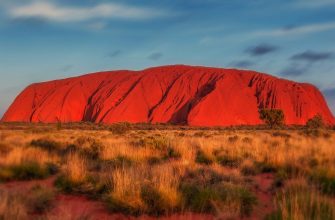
[[158, 172]]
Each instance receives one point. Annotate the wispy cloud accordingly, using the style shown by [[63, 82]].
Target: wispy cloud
[[312, 56], [296, 30], [66, 68], [155, 56], [302, 63], [115, 53], [295, 70], [60, 13], [261, 49], [242, 64]]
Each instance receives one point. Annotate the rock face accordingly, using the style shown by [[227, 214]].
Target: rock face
[[198, 96]]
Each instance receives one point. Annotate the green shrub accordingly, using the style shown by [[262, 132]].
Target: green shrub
[[229, 161], [155, 203], [171, 153], [29, 170], [272, 117], [280, 177], [202, 158], [46, 144], [316, 122], [265, 167], [87, 147], [93, 151], [198, 198], [26, 171], [116, 205], [247, 201], [92, 186], [119, 161], [154, 160], [66, 185]]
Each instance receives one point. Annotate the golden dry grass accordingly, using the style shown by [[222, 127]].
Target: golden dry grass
[[75, 168], [12, 206], [146, 171]]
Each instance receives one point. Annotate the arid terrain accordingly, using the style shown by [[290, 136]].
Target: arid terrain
[[86, 171]]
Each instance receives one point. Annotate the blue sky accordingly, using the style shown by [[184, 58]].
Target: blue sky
[[47, 39]]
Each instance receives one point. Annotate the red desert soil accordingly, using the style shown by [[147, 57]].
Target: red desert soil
[[198, 96], [264, 195]]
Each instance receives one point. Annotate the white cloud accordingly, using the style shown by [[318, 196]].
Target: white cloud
[[311, 28], [50, 11]]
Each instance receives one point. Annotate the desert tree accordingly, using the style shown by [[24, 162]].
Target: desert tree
[[272, 117], [316, 122]]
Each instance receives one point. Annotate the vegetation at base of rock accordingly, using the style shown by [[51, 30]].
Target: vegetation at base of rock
[[272, 117]]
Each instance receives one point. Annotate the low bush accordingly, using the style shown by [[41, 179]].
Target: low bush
[[171, 153], [233, 139], [120, 128], [154, 160], [92, 187], [203, 158], [199, 199], [265, 167], [207, 199], [315, 123], [119, 161], [117, 205], [27, 171], [93, 151], [155, 203], [272, 117], [87, 147], [229, 161], [46, 144]]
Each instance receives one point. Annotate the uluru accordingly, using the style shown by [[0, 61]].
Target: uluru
[[178, 94]]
